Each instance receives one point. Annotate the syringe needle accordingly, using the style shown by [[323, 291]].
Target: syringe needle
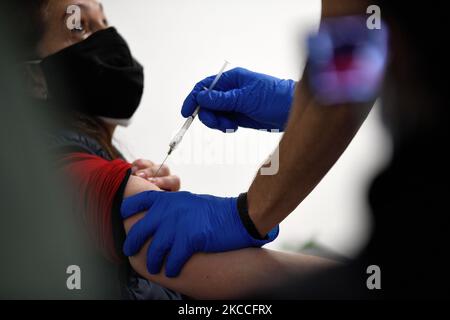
[[162, 164]]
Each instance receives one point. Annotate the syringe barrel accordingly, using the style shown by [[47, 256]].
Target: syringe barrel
[[179, 136]]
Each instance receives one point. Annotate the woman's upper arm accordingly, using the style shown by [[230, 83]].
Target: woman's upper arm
[[224, 275]]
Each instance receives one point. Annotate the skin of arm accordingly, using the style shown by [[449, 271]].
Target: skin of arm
[[227, 275], [314, 139]]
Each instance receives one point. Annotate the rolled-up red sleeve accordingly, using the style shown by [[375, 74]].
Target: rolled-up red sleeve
[[97, 183]]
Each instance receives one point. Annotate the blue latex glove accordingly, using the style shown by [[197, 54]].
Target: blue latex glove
[[182, 223], [242, 98]]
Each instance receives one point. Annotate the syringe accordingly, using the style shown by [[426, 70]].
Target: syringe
[[175, 142]]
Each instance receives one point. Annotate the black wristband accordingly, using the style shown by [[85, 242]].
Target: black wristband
[[242, 207]]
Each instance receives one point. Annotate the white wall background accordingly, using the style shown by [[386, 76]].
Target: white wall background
[[180, 42]]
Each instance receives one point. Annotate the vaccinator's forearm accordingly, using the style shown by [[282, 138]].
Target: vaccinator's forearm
[[315, 138]]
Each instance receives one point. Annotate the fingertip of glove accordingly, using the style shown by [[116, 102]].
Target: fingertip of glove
[[124, 211], [188, 108], [172, 272], [127, 250], [152, 268], [152, 271]]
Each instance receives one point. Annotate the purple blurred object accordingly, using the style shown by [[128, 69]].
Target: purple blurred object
[[347, 60]]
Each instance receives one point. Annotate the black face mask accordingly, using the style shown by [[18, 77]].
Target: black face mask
[[97, 76]]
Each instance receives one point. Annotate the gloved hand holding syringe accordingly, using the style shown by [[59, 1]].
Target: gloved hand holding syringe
[[174, 143]]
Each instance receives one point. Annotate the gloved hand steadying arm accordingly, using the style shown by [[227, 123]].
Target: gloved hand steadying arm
[[181, 224], [242, 98]]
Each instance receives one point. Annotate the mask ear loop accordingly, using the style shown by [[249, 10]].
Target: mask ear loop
[[32, 76]]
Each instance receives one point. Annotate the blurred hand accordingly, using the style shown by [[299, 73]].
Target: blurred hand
[[146, 169]]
